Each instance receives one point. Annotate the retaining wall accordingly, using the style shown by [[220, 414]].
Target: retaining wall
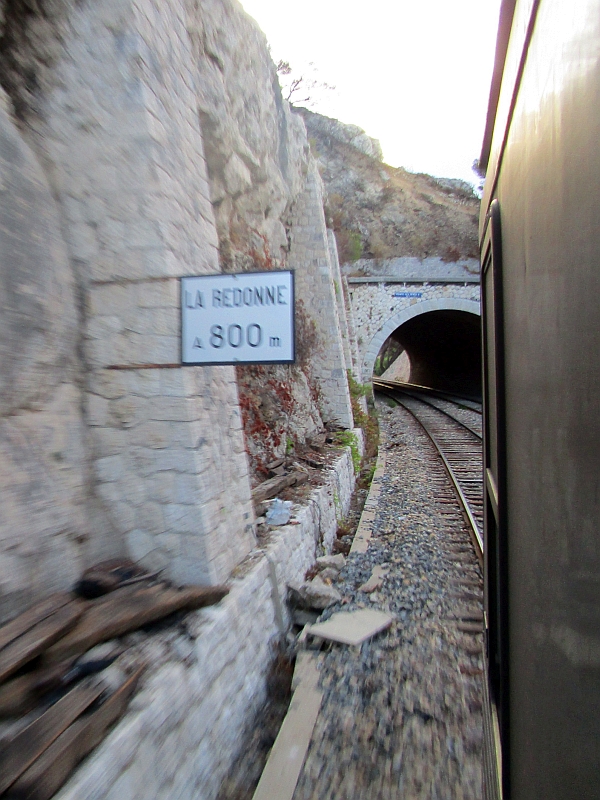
[[184, 728]]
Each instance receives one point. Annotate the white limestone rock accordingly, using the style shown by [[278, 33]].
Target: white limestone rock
[[318, 594], [337, 562]]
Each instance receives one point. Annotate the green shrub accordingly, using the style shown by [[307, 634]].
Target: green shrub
[[348, 439]]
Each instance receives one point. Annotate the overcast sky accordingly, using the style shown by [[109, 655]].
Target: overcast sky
[[415, 74]]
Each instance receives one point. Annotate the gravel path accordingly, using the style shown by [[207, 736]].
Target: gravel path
[[401, 716]]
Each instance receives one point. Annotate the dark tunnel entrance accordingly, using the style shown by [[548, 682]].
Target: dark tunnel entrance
[[441, 349]]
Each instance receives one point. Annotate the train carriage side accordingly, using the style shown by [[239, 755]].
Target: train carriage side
[[540, 236]]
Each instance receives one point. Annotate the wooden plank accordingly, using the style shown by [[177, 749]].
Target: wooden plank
[[312, 462], [282, 770], [20, 752], [38, 638], [273, 486], [305, 670], [19, 695], [52, 769], [16, 697], [21, 624], [126, 610]]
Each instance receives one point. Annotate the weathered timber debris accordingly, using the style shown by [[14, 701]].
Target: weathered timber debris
[[53, 712], [269, 489], [32, 616], [128, 609], [38, 638], [280, 776], [108, 576], [19, 695], [48, 773], [312, 462], [272, 487], [19, 753]]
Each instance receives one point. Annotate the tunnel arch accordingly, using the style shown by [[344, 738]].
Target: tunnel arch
[[403, 316]]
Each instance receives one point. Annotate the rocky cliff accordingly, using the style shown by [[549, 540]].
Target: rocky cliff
[[380, 212]]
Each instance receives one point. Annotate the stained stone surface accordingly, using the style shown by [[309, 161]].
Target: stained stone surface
[[44, 531]]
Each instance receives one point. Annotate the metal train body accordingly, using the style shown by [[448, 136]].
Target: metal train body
[[540, 255]]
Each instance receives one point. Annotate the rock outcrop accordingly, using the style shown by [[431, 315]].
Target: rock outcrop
[[380, 212]]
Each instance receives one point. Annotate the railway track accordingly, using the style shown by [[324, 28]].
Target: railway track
[[459, 445], [426, 391]]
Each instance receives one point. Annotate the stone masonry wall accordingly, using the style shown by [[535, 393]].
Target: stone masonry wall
[[377, 312], [45, 482], [185, 727], [122, 131], [258, 160], [109, 446], [315, 281], [347, 332], [115, 101]]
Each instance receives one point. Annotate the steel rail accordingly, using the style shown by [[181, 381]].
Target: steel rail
[[474, 531], [465, 402], [417, 396]]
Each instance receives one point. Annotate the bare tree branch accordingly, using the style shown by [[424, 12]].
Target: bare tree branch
[[300, 89]]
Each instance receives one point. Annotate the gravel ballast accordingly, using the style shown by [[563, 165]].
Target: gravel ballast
[[401, 714]]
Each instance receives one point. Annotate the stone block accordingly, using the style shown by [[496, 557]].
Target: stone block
[[172, 408], [144, 382], [110, 384], [150, 516], [139, 544], [126, 412], [175, 382], [186, 490], [97, 410], [152, 434], [159, 294], [122, 514], [161, 487], [109, 468], [111, 300], [191, 566], [183, 518]]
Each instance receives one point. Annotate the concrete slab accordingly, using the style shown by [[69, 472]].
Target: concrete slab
[[280, 775], [351, 627], [305, 670], [376, 579], [360, 543]]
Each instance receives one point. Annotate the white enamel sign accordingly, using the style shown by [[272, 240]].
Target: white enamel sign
[[246, 318]]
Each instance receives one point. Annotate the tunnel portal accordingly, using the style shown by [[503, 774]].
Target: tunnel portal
[[443, 350]]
